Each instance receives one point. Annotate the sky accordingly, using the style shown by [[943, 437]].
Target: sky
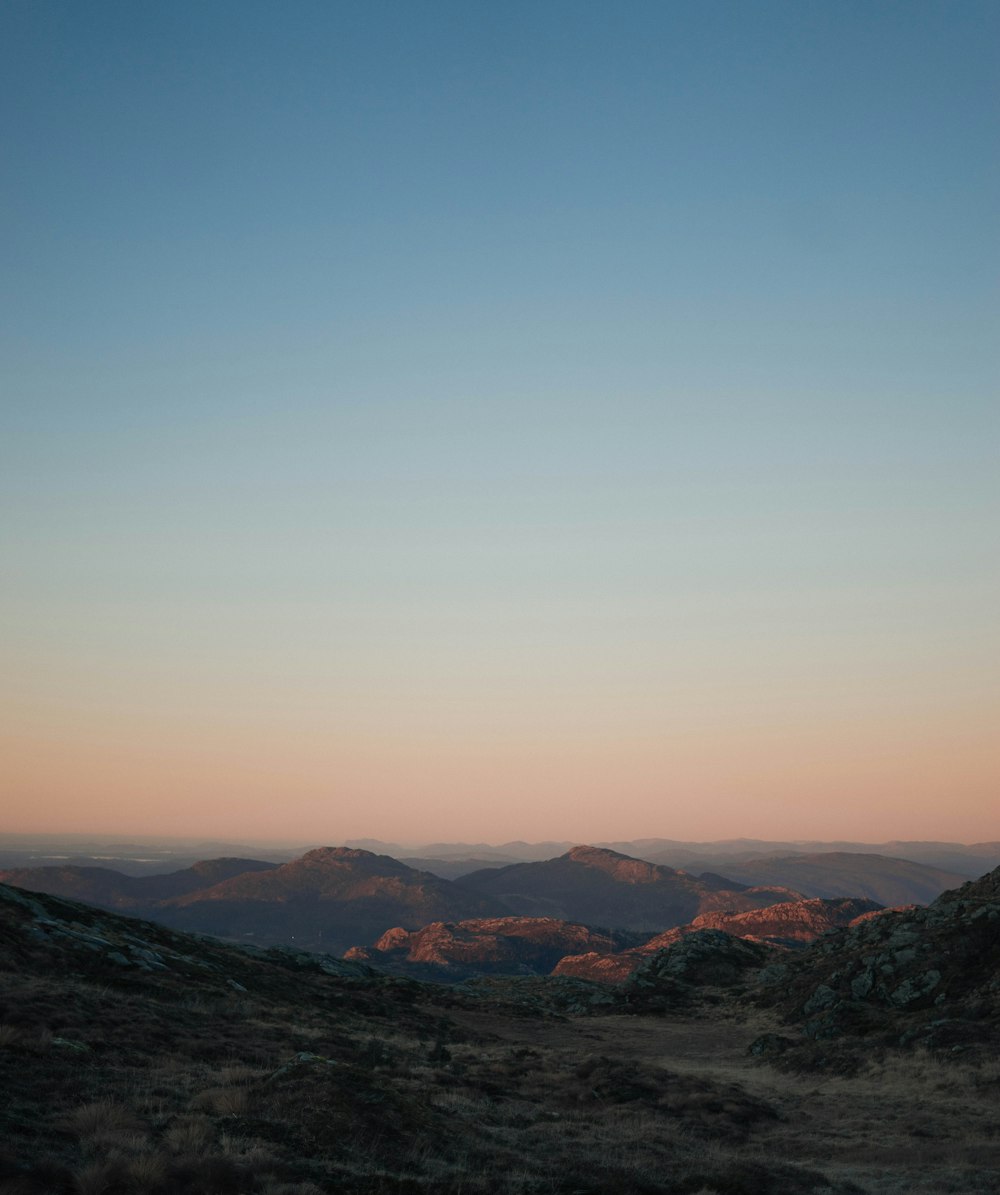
[[435, 421]]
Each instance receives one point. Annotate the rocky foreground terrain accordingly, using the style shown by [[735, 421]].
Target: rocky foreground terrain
[[134, 1058]]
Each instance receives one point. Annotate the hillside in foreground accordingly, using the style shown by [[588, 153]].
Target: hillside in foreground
[[137, 1059]]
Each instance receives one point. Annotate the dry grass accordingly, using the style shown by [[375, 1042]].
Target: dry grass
[[222, 1101], [101, 1118], [147, 1172], [189, 1134]]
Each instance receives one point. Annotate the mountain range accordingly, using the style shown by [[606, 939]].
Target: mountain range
[[328, 899], [337, 898], [334, 898], [834, 874], [888, 880]]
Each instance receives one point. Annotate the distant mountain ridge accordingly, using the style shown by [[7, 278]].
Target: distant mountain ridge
[[830, 874], [964, 859], [597, 886], [335, 898], [327, 899], [448, 859], [114, 890], [834, 874]]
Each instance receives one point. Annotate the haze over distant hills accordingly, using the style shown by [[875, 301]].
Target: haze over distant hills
[[961, 859], [115, 890], [840, 874], [146, 856]]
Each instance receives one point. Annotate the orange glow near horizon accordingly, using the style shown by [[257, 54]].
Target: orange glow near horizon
[[498, 422], [869, 779]]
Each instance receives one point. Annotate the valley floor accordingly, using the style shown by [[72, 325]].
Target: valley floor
[[910, 1124]]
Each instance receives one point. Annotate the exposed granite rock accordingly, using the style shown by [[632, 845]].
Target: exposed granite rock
[[790, 924], [708, 956], [509, 945], [929, 975]]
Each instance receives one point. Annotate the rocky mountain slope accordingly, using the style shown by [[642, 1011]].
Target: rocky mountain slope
[[497, 945], [789, 925], [926, 975], [604, 888]]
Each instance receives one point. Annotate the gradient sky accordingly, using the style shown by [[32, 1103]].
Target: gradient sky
[[500, 420]]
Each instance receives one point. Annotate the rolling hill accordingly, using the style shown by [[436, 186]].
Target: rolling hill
[[835, 874], [114, 890], [328, 899], [600, 887]]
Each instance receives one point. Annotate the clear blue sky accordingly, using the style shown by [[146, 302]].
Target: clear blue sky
[[527, 420]]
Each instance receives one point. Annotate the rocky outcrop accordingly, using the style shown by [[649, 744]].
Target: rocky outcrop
[[919, 974], [791, 924], [690, 971], [496, 945], [703, 957]]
